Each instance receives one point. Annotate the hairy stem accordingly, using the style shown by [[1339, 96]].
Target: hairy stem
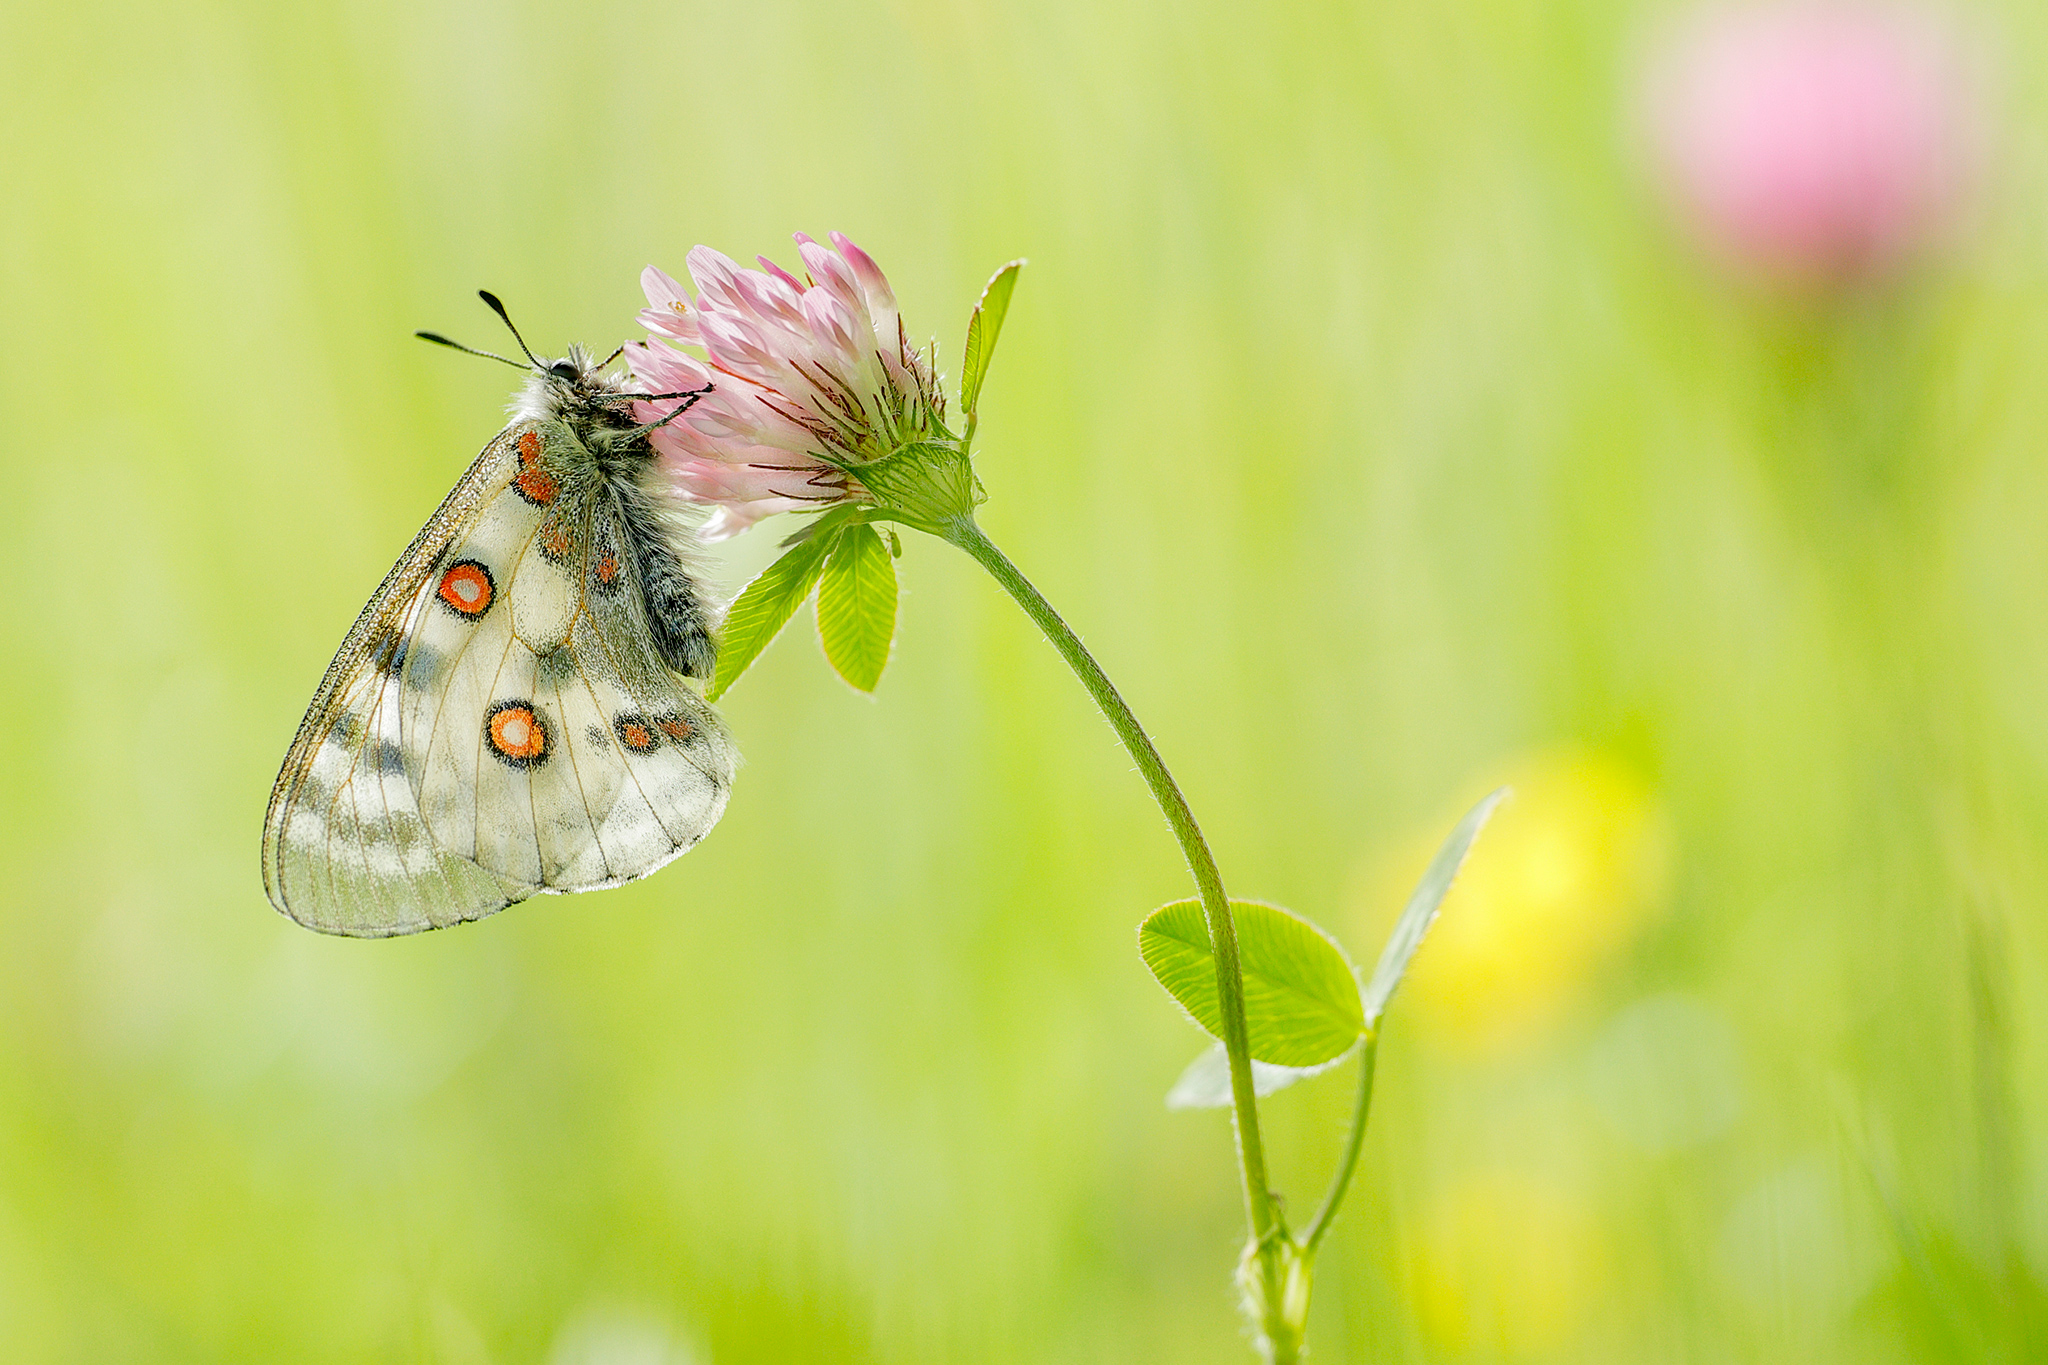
[[963, 532], [1354, 1140]]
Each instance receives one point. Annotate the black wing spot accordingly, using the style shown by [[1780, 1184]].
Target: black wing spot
[[387, 651], [555, 667]]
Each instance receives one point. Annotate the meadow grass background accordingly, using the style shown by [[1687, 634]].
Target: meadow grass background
[[1359, 406]]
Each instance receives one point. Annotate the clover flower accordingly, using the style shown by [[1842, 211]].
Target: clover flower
[[813, 382], [1813, 142]]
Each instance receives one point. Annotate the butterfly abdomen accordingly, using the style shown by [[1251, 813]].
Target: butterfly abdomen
[[656, 532], [678, 620]]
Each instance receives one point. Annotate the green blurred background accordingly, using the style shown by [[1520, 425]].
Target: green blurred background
[[1364, 411]]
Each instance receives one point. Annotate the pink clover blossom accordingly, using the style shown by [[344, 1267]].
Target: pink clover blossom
[[811, 378], [1813, 141]]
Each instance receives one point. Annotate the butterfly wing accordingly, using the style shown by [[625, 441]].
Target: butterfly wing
[[344, 848], [559, 750], [497, 724]]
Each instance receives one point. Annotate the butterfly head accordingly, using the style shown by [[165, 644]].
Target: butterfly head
[[574, 388]]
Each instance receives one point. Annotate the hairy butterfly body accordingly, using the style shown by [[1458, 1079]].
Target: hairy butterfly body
[[509, 714]]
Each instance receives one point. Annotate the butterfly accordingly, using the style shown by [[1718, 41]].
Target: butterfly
[[510, 714]]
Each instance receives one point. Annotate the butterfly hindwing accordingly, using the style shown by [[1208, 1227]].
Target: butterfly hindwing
[[669, 759]]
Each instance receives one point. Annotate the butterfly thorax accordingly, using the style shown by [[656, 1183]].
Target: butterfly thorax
[[613, 498]]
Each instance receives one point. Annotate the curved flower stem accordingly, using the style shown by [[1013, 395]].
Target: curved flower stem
[[1353, 1140], [1259, 1212]]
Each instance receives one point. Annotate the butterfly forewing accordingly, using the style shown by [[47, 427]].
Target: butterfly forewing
[[499, 722], [345, 849]]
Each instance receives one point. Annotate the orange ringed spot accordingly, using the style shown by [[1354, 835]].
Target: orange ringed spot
[[607, 569], [675, 727], [529, 447], [554, 540], [516, 733], [466, 589], [633, 733]]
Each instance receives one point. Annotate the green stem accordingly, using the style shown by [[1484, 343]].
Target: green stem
[[1354, 1140], [963, 532]]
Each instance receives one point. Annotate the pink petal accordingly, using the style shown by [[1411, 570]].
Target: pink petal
[[779, 273], [667, 324], [1820, 139], [663, 370], [717, 277], [831, 273], [662, 289], [833, 323], [872, 281]]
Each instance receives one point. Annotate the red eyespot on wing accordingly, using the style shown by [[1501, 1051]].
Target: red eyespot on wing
[[516, 734], [536, 485], [466, 589], [675, 727], [634, 734], [606, 569], [529, 447], [554, 540]]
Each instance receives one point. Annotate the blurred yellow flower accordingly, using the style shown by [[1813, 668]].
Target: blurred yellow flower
[[1567, 872], [1507, 1265]]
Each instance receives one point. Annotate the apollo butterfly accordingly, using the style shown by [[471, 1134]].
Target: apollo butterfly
[[510, 714]]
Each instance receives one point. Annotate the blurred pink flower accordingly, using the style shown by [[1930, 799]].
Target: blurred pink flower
[[811, 379], [1815, 142]]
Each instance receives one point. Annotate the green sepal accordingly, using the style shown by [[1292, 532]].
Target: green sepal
[[765, 605], [857, 606], [926, 484], [982, 329], [1301, 999], [1421, 909]]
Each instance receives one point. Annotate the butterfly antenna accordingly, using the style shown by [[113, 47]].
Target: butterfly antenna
[[440, 340], [498, 307]]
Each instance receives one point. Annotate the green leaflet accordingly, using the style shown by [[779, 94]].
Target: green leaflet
[[1422, 906], [759, 613], [857, 606], [1206, 1082], [982, 329], [1300, 994]]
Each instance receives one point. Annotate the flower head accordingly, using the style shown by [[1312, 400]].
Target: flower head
[[1812, 141], [813, 382]]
